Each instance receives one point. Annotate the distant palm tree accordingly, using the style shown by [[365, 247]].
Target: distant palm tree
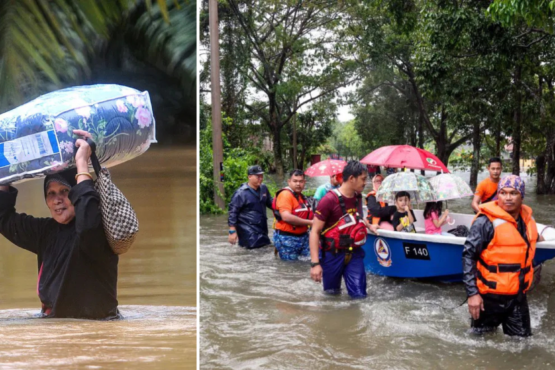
[[48, 44]]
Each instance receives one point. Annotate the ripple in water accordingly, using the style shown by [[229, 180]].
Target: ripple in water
[[260, 312], [149, 337]]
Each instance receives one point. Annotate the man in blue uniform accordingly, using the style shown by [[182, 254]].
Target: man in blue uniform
[[248, 223]]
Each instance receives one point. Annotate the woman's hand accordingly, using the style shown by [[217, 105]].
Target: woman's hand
[[82, 155], [83, 152]]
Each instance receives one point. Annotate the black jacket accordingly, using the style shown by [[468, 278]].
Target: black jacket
[[78, 270], [376, 210], [247, 212]]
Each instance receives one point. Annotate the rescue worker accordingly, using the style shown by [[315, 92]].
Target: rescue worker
[[497, 262], [248, 223], [379, 213], [335, 248], [486, 191], [335, 182], [293, 216]]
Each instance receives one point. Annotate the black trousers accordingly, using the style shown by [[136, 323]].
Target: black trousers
[[510, 312]]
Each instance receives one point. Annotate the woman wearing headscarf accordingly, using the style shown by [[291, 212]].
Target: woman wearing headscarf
[[77, 270]]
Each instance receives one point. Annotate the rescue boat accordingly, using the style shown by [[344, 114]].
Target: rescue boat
[[434, 257]]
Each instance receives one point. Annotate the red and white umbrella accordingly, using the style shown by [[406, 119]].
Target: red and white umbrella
[[329, 167], [405, 156]]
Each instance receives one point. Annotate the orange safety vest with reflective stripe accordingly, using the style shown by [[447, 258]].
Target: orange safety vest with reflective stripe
[[373, 220], [505, 266], [300, 209]]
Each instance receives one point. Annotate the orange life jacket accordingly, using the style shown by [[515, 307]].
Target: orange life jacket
[[505, 266], [302, 210], [373, 220], [348, 232]]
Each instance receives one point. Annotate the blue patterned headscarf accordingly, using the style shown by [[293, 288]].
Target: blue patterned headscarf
[[512, 181]]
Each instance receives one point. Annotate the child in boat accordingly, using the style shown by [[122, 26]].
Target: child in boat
[[434, 219], [403, 219]]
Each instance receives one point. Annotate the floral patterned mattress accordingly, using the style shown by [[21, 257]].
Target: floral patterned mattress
[[36, 138]]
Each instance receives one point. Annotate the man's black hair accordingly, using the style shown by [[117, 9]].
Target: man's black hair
[[495, 160], [402, 194], [354, 168], [296, 172]]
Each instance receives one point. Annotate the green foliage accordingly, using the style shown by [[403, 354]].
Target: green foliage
[[461, 159], [347, 141], [309, 192], [165, 36], [386, 118], [47, 45], [428, 73], [236, 162], [313, 128], [286, 57], [536, 13]]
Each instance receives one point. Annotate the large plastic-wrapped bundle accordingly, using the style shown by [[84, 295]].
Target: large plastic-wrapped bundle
[[36, 138]]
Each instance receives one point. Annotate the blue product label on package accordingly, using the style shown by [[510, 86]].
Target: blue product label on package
[[28, 148]]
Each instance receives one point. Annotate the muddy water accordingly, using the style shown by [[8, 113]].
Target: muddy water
[[260, 312], [156, 287]]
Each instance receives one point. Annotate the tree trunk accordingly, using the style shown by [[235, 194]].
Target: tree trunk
[[421, 137], [441, 153], [540, 167], [302, 159], [517, 123], [476, 155], [275, 127], [549, 184], [295, 136], [441, 140], [498, 140], [420, 132], [413, 138], [278, 160], [540, 160]]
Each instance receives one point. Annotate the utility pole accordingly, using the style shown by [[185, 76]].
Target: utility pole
[[217, 146]]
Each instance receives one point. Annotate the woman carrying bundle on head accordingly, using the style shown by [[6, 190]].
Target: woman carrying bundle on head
[[77, 269]]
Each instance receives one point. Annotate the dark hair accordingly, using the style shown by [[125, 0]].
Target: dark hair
[[296, 173], [433, 207], [354, 168], [495, 160], [402, 194]]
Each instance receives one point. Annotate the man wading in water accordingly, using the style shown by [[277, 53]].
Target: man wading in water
[[497, 262], [77, 270], [247, 219], [339, 223]]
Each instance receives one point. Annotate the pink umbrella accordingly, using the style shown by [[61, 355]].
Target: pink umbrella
[[405, 156], [329, 167]]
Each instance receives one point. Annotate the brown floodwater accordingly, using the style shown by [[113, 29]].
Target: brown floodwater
[[258, 312], [156, 285]]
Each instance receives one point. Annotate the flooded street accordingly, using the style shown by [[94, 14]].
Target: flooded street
[[156, 285], [260, 312]]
